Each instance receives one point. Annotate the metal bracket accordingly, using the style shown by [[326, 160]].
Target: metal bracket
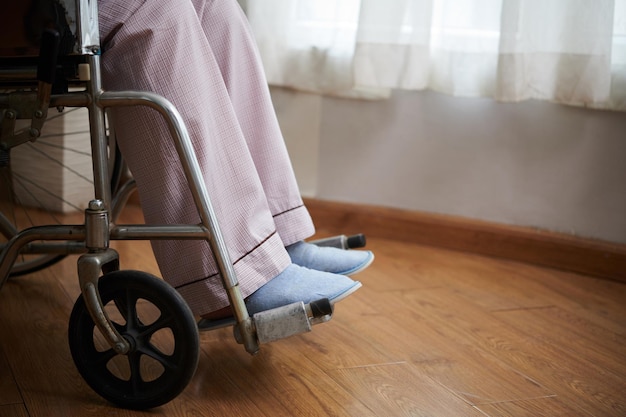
[[90, 266]]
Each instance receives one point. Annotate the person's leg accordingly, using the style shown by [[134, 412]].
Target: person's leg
[[160, 47], [234, 46], [229, 35]]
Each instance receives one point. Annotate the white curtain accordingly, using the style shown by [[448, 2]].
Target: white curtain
[[568, 51]]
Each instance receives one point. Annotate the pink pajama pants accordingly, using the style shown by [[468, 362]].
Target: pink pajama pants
[[200, 55]]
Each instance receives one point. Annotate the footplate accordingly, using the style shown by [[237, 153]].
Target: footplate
[[290, 320], [281, 322]]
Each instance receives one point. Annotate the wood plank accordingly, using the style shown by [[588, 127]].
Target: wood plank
[[548, 406], [539, 247], [337, 345], [396, 390], [561, 371], [467, 371], [474, 375], [9, 392], [600, 301], [500, 284], [272, 379], [13, 410], [40, 344], [471, 374], [605, 349]]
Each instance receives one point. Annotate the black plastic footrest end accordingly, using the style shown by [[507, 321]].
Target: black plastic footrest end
[[321, 307]]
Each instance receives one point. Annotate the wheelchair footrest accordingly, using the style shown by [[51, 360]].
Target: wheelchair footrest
[[291, 319], [279, 323], [282, 322]]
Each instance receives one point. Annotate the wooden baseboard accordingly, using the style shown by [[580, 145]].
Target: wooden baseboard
[[555, 250]]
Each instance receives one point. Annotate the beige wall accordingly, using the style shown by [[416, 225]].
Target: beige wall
[[534, 164]]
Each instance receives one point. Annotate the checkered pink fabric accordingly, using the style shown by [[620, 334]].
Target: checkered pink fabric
[[201, 56]]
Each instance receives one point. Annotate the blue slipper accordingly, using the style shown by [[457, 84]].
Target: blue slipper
[[296, 284], [329, 259]]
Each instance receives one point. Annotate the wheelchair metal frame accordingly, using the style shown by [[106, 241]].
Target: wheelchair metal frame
[[91, 239], [98, 230]]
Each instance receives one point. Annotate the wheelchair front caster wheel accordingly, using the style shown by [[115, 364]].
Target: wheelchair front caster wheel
[[162, 333]]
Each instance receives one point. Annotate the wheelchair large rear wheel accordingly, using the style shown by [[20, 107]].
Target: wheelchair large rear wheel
[[162, 333]]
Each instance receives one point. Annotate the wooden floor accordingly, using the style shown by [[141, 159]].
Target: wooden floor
[[431, 333]]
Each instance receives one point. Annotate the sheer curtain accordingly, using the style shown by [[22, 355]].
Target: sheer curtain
[[568, 51]]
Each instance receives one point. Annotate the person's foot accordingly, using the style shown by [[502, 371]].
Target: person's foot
[[294, 284], [297, 283], [329, 259]]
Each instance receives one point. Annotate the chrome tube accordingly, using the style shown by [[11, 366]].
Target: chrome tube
[[99, 146], [13, 247], [158, 232]]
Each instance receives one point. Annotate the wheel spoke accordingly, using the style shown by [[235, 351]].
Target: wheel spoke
[[102, 358], [126, 303], [136, 381], [167, 361], [163, 322]]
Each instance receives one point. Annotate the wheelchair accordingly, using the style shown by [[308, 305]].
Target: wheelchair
[[54, 63]]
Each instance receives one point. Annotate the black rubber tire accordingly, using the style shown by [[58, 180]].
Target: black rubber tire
[[124, 288]]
